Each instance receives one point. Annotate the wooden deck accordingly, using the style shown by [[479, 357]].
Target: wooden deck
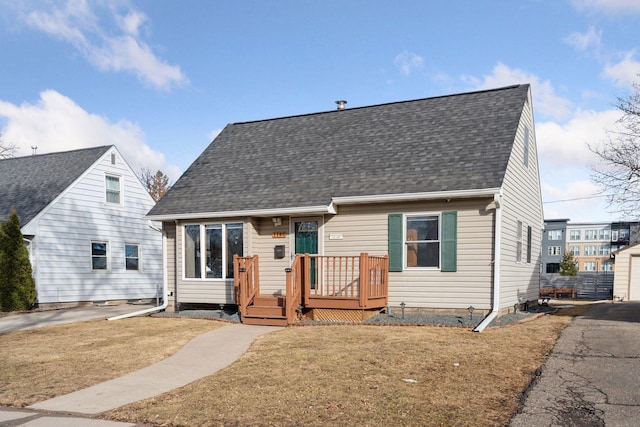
[[357, 282]]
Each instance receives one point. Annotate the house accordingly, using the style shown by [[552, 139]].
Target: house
[[626, 281], [81, 214], [430, 204]]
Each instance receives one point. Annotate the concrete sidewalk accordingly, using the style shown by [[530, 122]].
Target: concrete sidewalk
[[202, 356], [591, 377]]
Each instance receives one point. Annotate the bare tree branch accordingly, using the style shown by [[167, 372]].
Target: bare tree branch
[[156, 184], [618, 174], [7, 150]]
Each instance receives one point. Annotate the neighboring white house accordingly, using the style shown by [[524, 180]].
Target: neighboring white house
[[81, 213], [626, 281]]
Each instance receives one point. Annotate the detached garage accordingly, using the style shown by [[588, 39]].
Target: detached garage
[[626, 282]]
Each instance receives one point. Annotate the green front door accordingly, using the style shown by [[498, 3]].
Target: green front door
[[306, 235]]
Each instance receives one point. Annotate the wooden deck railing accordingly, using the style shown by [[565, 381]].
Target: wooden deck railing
[[294, 290], [349, 281], [246, 280]]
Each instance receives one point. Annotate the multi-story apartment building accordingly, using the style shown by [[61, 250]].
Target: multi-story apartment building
[[592, 244], [553, 244]]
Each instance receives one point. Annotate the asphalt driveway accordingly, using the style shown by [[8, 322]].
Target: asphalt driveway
[[35, 319], [592, 377]]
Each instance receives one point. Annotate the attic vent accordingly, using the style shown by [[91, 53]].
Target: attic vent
[[341, 104], [113, 158]]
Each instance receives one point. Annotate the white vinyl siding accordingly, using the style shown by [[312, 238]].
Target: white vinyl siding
[[364, 228], [521, 201], [65, 230]]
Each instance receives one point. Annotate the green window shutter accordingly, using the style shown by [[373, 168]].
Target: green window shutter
[[449, 240], [395, 242]]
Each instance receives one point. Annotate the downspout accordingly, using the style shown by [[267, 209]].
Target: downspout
[[495, 306], [165, 298]]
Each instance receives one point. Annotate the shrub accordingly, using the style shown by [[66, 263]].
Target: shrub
[[17, 287]]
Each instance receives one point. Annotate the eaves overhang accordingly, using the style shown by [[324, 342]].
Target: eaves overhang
[[306, 210], [415, 197], [335, 201]]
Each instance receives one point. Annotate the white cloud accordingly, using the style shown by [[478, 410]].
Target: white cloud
[[584, 41], [566, 144], [76, 23], [408, 62], [577, 200], [56, 123], [612, 6], [545, 100], [625, 72]]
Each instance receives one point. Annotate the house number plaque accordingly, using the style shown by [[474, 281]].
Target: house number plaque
[[278, 234]]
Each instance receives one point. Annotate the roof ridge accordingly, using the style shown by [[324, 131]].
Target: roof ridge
[[29, 156], [514, 86]]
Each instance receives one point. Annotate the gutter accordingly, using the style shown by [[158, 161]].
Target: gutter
[[495, 306], [165, 289]]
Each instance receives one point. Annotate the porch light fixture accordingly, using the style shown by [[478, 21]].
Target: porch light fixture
[[471, 308], [277, 221]]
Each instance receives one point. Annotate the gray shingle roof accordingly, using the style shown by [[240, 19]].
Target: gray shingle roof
[[30, 183], [447, 143]]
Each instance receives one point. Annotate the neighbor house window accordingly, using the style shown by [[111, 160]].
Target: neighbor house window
[[605, 234], [554, 234], [422, 241], [574, 235], [214, 258], [590, 234], [590, 266], [132, 257], [99, 256], [575, 250], [113, 189], [607, 266], [603, 250], [553, 250], [589, 250]]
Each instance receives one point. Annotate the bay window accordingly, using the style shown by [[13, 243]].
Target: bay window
[[209, 249]]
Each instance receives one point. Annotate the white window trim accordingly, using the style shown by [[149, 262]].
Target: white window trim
[[139, 256], [107, 256], [203, 270], [120, 190], [404, 240]]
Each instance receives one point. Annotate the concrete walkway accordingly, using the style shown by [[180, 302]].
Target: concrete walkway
[[202, 356], [592, 377]]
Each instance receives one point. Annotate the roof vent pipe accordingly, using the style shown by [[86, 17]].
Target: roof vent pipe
[[341, 104]]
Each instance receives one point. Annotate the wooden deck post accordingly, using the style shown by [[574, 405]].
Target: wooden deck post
[[306, 278], [364, 279]]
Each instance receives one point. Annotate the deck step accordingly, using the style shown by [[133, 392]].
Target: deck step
[[269, 301], [270, 321], [265, 311]]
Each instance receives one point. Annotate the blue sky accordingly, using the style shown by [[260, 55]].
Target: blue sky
[[159, 79]]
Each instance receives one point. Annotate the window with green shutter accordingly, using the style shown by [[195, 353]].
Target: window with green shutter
[[449, 241], [423, 241], [395, 242]]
